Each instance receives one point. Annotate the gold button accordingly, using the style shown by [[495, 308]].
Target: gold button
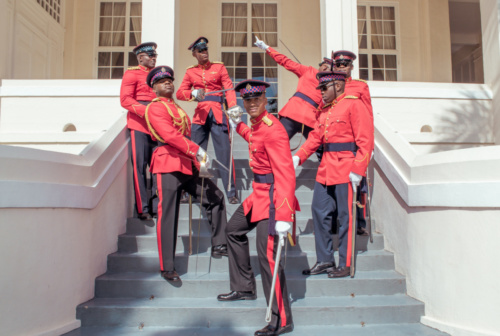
[[250, 143], [250, 159], [326, 139], [326, 131], [338, 120], [255, 150]]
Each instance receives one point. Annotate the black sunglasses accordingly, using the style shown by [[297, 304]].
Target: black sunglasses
[[325, 87], [342, 63]]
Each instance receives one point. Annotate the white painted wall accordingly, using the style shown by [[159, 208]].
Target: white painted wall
[[60, 213], [448, 255], [439, 211]]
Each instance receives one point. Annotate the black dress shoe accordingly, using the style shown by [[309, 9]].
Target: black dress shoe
[[233, 200], [340, 272], [219, 251], [235, 296], [145, 216], [320, 267], [271, 331], [362, 231], [171, 276]]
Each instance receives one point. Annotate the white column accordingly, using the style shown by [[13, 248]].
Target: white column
[[158, 25], [339, 27], [490, 19]]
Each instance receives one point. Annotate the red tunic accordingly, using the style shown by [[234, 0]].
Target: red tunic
[[169, 124], [211, 77], [134, 88], [297, 108], [359, 88], [269, 150], [345, 120]]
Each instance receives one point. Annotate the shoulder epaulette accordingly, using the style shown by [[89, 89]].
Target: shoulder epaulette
[[156, 100], [134, 68], [360, 80], [267, 121], [351, 97], [218, 63], [192, 66]]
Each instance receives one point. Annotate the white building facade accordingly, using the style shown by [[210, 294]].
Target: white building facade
[[65, 190]]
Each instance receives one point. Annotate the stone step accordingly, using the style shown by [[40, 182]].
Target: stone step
[[305, 242], [184, 263], [246, 172], [137, 227], [186, 312], [359, 329], [145, 285]]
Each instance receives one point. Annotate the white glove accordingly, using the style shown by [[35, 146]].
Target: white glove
[[260, 44], [282, 227], [296, 161], [235, 113], [233, 124], [355, 180], [203, 155], [197, 94]]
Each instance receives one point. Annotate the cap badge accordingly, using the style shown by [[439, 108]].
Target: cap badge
[[248, 87], [163, 69], [341, 57]]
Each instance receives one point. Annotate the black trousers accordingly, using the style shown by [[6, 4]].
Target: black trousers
[[240, 271], [327, 200], [293, 127], [200, 134], [142, 147], [170, 186]]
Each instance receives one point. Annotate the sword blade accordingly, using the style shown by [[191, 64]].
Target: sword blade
[[219, 163], [219, 91]]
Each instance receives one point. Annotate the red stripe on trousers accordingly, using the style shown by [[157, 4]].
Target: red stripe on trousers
[[349, 232], [138, 199], [277, 288], [160, 217]]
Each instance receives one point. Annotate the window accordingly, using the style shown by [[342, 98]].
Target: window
[[53, 7], [239, 55], [119, 31], [378, 43]]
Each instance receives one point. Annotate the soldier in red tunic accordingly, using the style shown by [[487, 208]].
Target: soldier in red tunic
[[270, 208], [299, 114], [346, 130], [175, 165], [135, 95], [343, 61], [209, 117]]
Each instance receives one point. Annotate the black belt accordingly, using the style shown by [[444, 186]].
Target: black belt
[[269, 178], [213, 98], [306, 98], [144, 102], [340, 147]]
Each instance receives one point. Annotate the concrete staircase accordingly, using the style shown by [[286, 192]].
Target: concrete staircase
[[132, 297]]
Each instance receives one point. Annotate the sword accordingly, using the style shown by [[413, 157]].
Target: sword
[[290, 52], [275, 275], [219, 91], [204, 173], [369, 204], [190, 225], [353, 231], [220, 164]]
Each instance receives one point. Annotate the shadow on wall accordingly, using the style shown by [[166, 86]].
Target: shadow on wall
[[468, 124]]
